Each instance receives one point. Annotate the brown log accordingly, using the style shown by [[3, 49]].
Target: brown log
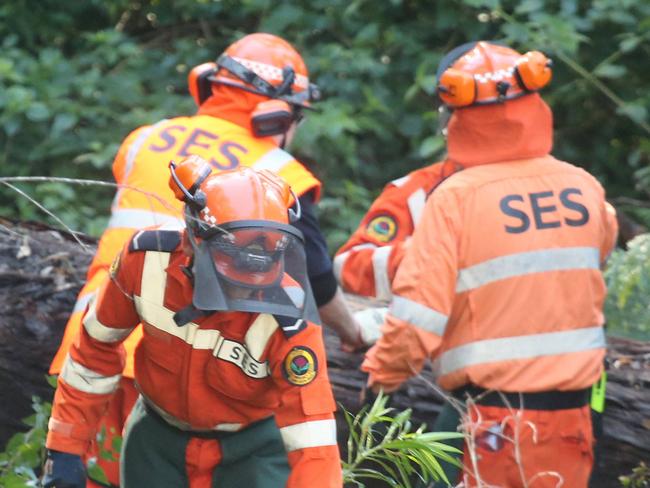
[[41, 271]]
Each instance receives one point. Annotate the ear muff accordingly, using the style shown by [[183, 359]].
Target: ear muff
[[533, 71], [271, 118], [457, 88], [199, 83]]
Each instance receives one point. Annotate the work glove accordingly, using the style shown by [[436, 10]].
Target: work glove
[[370, 320], [63, 470]]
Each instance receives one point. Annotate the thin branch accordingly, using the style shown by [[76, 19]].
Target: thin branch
[[55, 217]]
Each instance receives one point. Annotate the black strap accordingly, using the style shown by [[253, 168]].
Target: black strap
[[190, 314], [544, 400]]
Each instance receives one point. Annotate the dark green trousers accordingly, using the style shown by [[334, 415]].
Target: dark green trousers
[[153, 454], [448, 421]]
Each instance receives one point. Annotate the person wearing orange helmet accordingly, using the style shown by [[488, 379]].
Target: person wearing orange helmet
[[231, 368], [249, 104], [501, 286]]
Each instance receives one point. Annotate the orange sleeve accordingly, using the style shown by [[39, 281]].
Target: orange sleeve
[[93, 367], [306, 414], [423, 295], [366, 264], [359, 267], [611, 232]]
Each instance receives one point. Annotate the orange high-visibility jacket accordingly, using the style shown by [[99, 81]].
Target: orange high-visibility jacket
[[501, 285], [220, 372], [142, 164], [367, 262]]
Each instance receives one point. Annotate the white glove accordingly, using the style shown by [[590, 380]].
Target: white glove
[[370, 320]]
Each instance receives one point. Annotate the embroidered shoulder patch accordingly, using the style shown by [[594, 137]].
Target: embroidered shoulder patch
[[382, 228], [300, 366]]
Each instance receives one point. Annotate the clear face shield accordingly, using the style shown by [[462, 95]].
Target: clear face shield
[[253, 266]]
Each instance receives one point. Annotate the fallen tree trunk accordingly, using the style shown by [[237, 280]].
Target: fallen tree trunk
[[41, 271]]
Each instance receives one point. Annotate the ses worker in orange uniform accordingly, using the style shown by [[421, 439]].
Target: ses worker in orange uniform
[[367, 262], [250, 102], [501, 285], [229, 343]]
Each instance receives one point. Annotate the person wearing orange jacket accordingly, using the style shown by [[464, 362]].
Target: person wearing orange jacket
[[249, 104], [501, 286], [230, 348], [366, 263]]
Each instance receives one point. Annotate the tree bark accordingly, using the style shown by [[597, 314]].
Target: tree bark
[[41, 272]]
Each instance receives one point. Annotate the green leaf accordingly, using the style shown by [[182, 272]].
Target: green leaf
[[38, 112], [95, 471], [431, 146], [610, 71]]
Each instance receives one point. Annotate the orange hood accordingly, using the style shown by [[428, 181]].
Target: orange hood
[[231, 104], [484, 134]]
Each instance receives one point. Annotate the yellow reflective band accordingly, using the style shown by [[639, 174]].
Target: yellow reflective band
[[598, 394]]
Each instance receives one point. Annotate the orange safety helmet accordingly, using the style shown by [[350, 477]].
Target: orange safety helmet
[[481, 73], [260, 63], [241, 214]]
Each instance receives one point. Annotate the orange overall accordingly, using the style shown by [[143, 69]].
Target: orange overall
[[219, 133], [223, 372], [501, 288]]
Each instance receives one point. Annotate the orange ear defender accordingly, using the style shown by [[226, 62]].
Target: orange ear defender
[[533, 70], [186, 178], [271, 117], [198, 82], [457, 88], [483, 73]]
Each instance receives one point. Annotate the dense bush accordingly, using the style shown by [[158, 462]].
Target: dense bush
[[76, 77], [628, 278]]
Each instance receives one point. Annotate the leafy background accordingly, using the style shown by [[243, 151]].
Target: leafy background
[[76, 77]]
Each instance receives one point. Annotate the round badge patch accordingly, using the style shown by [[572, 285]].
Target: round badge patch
[[382, 228], [300, 366]]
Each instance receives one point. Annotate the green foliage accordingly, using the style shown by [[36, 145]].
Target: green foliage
[[628, 279], [382, 446], [639, 478], [25, 452], [76, 77]]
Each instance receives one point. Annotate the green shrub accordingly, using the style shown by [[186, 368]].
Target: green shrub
[[628, 279]]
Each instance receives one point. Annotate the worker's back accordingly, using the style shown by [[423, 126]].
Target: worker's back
[[530, 236]]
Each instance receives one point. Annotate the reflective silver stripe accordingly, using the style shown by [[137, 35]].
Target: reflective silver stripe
[[99, 331], [416, 202], [87, 380], [259, 334], [339, 261], [171, 420], [561, 259], [418, 315], [131, 154], [520, 347], [150, 307], [82, 302], [131, 218], [315, 433], [274, 160], [380, 270], [154, 277], [401, 181], [135, 147]]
